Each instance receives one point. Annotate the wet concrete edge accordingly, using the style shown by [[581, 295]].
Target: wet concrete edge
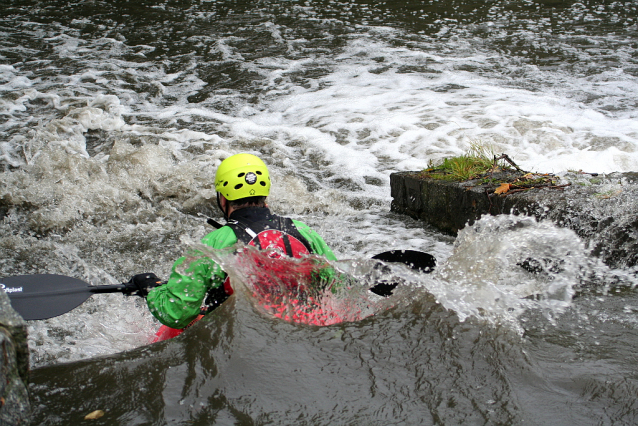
[[450, 206]]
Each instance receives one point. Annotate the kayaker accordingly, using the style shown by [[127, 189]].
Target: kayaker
[[242, 182]]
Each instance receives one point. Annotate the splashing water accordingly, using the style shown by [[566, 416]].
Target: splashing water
[[500, 267], [504, 265], [91, 331], [309, 290]]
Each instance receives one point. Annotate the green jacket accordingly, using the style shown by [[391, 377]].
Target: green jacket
[[177, 303]]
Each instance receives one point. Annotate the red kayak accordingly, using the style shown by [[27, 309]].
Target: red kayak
[[165, 332]]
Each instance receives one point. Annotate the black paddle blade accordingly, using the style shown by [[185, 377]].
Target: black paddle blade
[[37, 297], [418, 260]]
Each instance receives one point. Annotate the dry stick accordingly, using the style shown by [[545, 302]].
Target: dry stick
[[509, 160], [518, 190]]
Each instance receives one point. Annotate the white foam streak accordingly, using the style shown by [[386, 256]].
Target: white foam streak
[[103, 325], [403, 117]]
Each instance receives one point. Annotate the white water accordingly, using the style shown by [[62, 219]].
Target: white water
[[111, 174]]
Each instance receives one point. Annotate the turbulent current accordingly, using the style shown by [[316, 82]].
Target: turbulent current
[[114, 116]]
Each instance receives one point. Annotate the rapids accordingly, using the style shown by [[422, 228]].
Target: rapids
[[114, 116]]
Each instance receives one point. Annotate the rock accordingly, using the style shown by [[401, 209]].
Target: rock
[[14, 366]]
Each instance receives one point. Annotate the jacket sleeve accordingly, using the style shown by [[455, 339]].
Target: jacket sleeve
[[178, 302], [317, 243]]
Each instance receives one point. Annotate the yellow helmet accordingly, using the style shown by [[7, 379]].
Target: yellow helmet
[[241, 176]]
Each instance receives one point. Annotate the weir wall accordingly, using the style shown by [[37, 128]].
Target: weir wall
[[601, 209]]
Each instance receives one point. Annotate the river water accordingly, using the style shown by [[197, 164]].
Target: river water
[[114, 116]]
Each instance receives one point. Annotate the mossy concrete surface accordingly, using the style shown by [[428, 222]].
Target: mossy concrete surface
[[14, 366], [602, 210]]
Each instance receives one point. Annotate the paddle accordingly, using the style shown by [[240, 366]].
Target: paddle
[[38, 297], [417, 260], [423, 262]]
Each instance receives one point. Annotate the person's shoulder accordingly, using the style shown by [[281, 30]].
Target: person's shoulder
[[220, 238], [318, 244], [300, 225], [304, 228]]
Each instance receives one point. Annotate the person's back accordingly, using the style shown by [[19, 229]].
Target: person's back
[[242, 182]]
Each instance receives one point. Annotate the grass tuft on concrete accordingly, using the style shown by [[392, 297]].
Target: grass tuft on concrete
[[477, 161]]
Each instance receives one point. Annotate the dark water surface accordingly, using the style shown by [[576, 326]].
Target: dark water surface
[[115, 114], [412, 366]]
